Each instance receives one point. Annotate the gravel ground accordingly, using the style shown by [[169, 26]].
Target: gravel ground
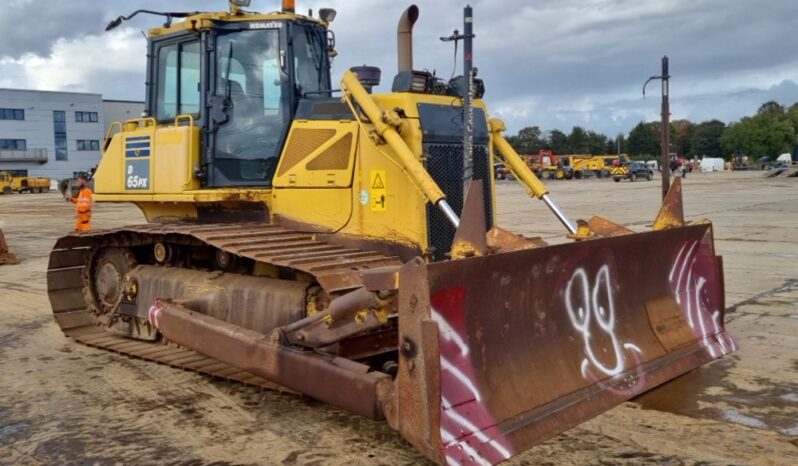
[[63, 403]]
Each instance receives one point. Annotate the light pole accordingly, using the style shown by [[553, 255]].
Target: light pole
[[468, 93], [666, 125]]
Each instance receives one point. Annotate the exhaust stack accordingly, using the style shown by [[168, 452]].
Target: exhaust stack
[[404, 38]]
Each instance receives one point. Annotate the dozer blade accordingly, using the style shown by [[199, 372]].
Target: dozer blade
[[501, 352]]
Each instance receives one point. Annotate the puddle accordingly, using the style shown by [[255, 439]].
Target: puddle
[[710, 393], [787, 286], [11, 429], [788, 255], [735, 416]]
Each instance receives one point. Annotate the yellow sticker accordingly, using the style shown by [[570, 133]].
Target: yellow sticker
[[378, 190]]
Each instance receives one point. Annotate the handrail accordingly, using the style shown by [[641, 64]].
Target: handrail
[[109, 136], [385, 123], [33, 154], [184, 116], [148, 121], [531, 184]]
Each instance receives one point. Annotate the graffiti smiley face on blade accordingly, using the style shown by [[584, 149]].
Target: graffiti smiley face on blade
[[591, 308]]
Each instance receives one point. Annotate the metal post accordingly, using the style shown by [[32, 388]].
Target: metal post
[[468, 107], [666, 128]]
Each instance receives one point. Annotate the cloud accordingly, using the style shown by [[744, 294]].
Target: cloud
[[31, 27], [105, 64], [551, 63]]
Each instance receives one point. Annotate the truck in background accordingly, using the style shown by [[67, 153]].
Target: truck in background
[[12, 183], [586, 165], [546, 165]]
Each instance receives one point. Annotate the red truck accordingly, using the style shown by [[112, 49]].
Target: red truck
[[545, 165]]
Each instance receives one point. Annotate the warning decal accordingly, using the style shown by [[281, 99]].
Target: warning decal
[[378, 190], [376, 182]]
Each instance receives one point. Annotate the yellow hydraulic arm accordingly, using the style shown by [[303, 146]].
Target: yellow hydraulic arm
[[385, 123], [523, 174]]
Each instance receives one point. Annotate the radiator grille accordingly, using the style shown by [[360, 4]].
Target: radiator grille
[[445, 164]]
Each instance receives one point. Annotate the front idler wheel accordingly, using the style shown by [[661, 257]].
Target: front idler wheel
[[109, 270], [108, 284]]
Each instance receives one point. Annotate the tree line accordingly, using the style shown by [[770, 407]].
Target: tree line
[[773, 130]]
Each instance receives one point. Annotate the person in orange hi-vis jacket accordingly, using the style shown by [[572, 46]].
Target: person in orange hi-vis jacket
[[84, 201]]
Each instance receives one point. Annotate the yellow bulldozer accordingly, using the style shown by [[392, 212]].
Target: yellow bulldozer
[[344, 244]]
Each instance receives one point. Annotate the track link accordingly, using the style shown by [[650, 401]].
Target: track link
[[334, 267]]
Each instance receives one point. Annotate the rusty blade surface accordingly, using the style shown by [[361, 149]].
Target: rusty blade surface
[[501, 240], [6, 257], [536, 341], [671, 213], [604, 227], [469, 239]]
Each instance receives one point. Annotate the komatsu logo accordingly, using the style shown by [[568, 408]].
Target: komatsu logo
[[265, 25]]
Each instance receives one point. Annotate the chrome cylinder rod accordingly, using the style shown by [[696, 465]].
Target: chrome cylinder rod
[[569, 224], [449, 213]]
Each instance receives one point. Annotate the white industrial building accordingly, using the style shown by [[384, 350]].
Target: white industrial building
[[120, 110], [55, 134]]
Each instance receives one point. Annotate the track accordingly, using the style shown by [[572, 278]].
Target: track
[[334, 267]]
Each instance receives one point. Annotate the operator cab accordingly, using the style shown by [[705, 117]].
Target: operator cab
[[240, 76]]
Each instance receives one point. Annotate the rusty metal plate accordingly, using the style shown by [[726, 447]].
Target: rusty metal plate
[[501, 240], [334, 380], [470, 239], [671, 213], [668, 323], [6, 257], [533, 342], [604, 227]]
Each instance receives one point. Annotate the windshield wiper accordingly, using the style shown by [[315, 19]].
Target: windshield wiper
[[228, 85]]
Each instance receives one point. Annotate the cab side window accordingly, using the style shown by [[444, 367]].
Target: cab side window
[[178, 78]]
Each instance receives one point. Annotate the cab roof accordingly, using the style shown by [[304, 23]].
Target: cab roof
[[205, 20]]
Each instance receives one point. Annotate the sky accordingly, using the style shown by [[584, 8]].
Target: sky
[[548, 63]]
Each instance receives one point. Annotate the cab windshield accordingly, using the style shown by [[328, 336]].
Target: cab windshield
[[261, 83]]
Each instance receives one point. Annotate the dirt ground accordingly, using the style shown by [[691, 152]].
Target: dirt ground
[[63, 403]]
